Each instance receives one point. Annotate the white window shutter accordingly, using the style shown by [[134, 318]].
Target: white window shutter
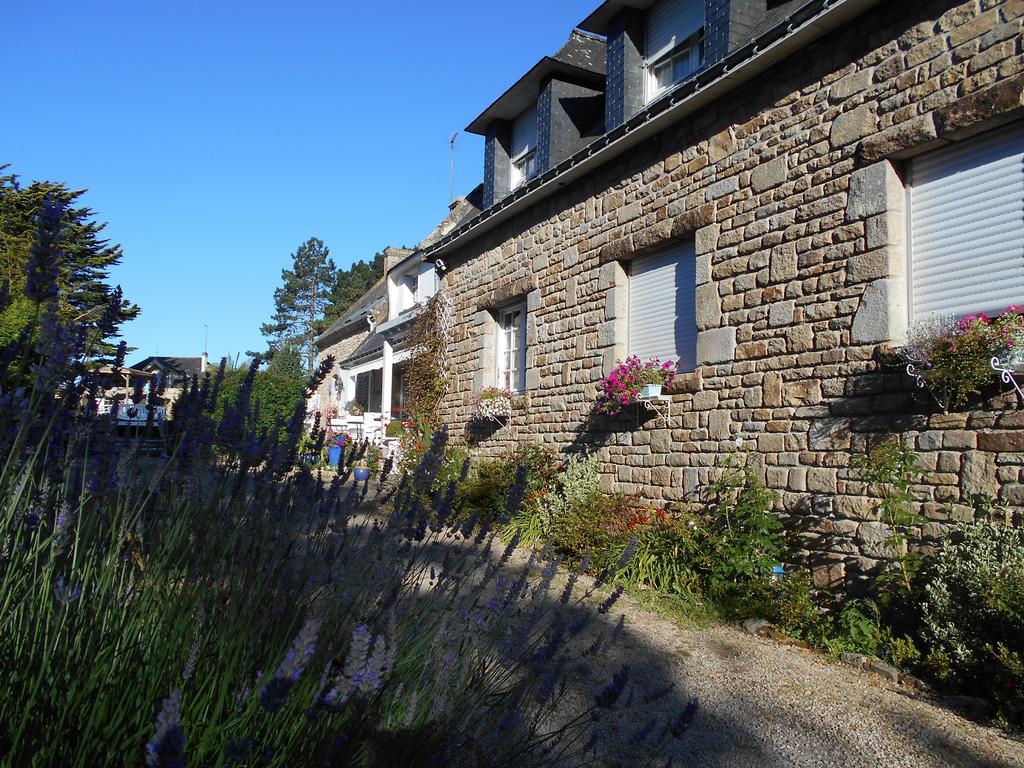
[[662, 307], [671, 22], [967, 226], [524, 132]]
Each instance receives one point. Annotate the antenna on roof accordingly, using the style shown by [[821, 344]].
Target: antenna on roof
[[451, 167]]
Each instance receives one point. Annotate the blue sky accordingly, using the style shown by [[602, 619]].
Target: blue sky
[[215, 137]]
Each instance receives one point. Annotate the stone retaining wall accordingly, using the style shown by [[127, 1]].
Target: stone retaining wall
[[791, 189]]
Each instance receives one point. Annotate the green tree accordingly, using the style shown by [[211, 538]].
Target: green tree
[[287, 362], [301, 302], [85, 267], [275, 394]]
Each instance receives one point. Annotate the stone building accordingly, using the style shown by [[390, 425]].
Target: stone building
[[777, 190]]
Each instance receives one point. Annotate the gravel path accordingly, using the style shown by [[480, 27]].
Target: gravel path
[[767, 704]]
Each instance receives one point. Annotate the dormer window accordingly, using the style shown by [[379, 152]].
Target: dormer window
[[523, 167], [674, 47], [523, 150]]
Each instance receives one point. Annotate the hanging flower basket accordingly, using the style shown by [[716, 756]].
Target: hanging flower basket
[[955, 359], [493, 404], [632, 381]]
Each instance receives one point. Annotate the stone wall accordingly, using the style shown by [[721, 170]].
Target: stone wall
[[791, 189]]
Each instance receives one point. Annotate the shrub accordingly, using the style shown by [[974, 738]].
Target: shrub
[[575, 486], [736, 537], [274, 397], [485, 493], [973, 613], [233, 607], [890, 470]]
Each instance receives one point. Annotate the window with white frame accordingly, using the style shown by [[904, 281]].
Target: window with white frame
[[966, 226], [522, 153], [511, 352], [663, 307], [674, 43]]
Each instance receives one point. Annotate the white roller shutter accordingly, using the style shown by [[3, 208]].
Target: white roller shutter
[[524, 132], [662, 307], [967, 226], [670, 23]]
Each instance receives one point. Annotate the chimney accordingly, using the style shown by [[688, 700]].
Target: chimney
[[202, 363]]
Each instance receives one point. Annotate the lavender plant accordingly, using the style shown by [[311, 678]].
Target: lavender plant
[[225, 605]]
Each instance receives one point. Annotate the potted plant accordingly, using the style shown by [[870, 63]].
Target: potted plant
[[493, 403], [335, 448], [368, 465], [355, 408], [957, 358], [631, 381]]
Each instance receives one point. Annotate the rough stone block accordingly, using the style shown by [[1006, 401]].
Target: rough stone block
[[882, 315], [852, 126], [717, 345], [781, 313], [881, 262], [709, 306], [853, 83], [769, 174], [873, 190], [910, 136], [964, 116]]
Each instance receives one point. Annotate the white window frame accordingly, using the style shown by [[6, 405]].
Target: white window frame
[[523, 168], [691, 51], [510, 360]]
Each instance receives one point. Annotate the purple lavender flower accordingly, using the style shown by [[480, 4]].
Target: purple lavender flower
[[289, 672], [167, 747], [66, 595], [45, 255], [627, 555], [610, 601], [610, 693], [680, 724]]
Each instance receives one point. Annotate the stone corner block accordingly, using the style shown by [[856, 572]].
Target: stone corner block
[[717, 345], [882, 315], [873, 190]]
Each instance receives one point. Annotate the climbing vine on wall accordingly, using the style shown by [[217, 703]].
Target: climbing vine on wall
[[428, 366]]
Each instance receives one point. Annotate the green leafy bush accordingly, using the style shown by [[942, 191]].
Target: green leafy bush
[[275, 397], [736, 537], [890, 470], [486, 490], [576, 486], [973, 613]]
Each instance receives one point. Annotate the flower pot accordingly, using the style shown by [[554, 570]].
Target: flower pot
[[648, 391], [361, 473], [334, 455]]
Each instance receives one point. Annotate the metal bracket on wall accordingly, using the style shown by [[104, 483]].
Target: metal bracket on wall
[[1008, 372], [921, 378], [649, 405]]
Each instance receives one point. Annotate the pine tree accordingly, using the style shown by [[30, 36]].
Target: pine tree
[[85, 268], [300, 303]]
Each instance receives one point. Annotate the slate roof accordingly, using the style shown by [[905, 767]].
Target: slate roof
[[180, 366], [581, 60], [354, 318], [370, 347]]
